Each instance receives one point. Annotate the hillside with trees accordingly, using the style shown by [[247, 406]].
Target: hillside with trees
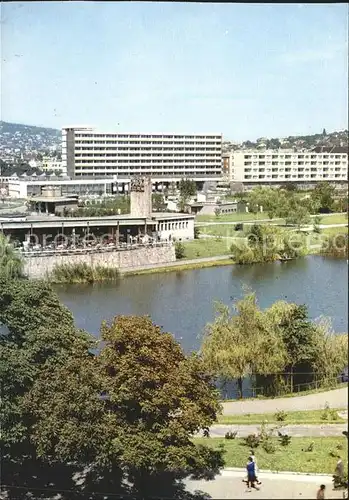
[[307, 142], [15, 137]]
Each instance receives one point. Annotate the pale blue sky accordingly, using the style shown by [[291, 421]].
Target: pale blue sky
[[244, 70]]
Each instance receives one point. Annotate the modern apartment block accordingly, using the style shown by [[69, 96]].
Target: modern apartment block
[[88, 153], [282, 166]]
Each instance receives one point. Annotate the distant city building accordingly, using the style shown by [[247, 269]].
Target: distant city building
[[50, 164], [282, 166], [35, 163], [141, 219], [219, 208], [29, 186], [87, 153], [51, 201]]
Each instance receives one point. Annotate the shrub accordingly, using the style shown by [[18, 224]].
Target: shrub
[[329, 413], [231, 435], [268, 445], [196, 232], [239, 227], [217, 212], [284, 439], [179, 250], [280, 415], [252, 441]]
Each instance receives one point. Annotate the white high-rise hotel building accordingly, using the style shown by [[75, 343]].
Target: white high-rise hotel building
[[88, 153], [281, 166]]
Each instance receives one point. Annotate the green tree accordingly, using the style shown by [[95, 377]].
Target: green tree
[[197, 232], [155, 399], [316, 224], [158, 201], [264, 244], [298, 215], [265, 197], [291, 187], [242, 344], [293, 245], [182, 204], [323, 195], [39, 332], [298, 334], [73, 421], [164, 398], [179, 250], [331, 355], [11, 262], [187, 188]]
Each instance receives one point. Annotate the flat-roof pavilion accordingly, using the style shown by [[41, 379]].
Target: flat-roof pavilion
[[73, 222]]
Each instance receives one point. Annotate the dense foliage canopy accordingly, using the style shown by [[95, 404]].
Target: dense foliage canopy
[[277, 346], [125, 409]]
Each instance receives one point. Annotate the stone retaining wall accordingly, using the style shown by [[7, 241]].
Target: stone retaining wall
[[40, 266]]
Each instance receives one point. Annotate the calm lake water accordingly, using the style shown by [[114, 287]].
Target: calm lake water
[[182, 302]]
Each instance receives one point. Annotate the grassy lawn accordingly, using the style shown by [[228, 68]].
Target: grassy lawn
[[231, 217], [222, 230], [325, 219], [209, 247], [229, 231], [288, 458], [293, 417], [329, 231], [333, 219], [335, 230]]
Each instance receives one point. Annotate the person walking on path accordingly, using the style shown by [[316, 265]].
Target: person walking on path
[[256, 470], [339, 471], [321, 493], [251, 474]]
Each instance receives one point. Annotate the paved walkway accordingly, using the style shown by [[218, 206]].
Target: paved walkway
[[337, 398], [229, 485], [301, 430]]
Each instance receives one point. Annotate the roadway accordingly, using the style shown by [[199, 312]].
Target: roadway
[[337, 398], [282, 485]]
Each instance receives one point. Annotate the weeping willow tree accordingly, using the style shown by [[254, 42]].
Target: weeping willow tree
[[11, 262], [241, 342], [332, 352]]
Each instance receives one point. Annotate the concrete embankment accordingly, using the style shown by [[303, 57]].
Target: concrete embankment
[[41, 265]]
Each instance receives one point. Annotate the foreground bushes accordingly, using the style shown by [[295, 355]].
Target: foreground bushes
[[119, 413]]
